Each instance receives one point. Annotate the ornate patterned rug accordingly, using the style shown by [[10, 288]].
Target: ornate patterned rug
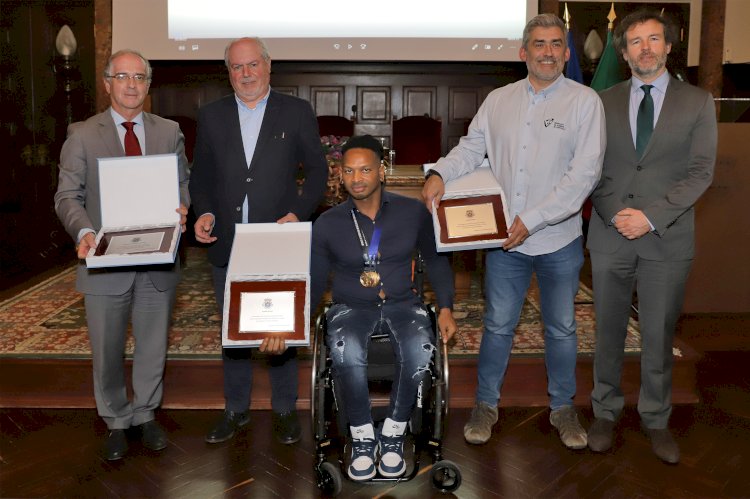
[[49, 320]]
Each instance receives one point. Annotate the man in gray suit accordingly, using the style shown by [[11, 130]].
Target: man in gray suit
[[113, 295], [661, 148]]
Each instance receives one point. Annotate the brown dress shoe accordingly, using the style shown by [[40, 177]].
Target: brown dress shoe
[[663, 445], [601, 435]]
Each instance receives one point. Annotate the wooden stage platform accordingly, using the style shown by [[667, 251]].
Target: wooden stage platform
[[197, 384]]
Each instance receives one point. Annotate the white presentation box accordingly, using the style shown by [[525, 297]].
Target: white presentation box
[[138, 197], [267, 293], [472, 213]]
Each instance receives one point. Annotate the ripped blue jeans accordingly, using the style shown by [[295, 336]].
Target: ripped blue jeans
[[412, 338]]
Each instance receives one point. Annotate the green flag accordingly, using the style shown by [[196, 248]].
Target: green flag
[[608, 71]]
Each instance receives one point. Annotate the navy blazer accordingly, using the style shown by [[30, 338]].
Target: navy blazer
[[220, 176]]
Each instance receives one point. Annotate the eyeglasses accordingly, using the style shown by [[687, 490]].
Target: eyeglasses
[[138, 77]]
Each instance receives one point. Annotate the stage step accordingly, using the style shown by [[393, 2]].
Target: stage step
[[197, 384]]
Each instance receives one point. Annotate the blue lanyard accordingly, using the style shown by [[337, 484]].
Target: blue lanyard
[[369, 252]]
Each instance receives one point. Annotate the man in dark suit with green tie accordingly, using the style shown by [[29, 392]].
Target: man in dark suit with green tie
[[661, 149]]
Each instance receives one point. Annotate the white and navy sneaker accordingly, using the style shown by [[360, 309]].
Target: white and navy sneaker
[[392, 464], [362, 465]]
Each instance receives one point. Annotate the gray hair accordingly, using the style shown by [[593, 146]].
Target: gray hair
[[261, 44], [146, 64], [543, 21]]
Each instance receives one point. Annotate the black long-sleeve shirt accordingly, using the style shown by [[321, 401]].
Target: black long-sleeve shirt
[[406, 226]]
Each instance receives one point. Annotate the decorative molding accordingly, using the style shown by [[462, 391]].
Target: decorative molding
[[373, 105], [463, 103], [420, 101], [327, 100]]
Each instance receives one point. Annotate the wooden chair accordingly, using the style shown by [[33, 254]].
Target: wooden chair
[[416, 140], [335, 125]]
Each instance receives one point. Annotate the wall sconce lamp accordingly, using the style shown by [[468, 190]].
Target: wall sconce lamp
[[66, 46]]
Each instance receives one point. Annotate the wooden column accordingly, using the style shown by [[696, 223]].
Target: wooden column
[[549, 6], [103, 39], [710, 70]]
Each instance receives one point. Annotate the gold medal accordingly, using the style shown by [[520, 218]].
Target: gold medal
[[369, 278]]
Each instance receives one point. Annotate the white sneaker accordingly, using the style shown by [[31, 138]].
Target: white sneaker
[[392, 462], [362, 465]]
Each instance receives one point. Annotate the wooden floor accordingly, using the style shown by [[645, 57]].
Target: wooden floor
[[55, 453]]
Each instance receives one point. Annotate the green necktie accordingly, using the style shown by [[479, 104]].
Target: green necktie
[[645, 121]]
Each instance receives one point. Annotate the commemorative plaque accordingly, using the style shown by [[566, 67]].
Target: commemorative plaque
[[267, 290], [138, 199], [471, 214]]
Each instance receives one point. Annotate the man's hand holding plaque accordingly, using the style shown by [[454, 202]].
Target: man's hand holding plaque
[[468, 212]]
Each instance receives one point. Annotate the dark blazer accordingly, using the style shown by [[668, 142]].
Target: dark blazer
[[77, 198], [676, 168], [220, 178]]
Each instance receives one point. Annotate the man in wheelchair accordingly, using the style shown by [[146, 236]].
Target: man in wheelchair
[[368, 242]]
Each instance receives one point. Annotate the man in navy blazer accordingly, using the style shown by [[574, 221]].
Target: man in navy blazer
[[247, 155], [642, 233]]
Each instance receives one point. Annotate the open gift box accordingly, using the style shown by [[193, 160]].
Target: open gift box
[[267, 292], [472, 213], [138, 198]]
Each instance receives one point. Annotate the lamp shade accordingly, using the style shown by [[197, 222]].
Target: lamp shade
[[593, 46], [66, 42]]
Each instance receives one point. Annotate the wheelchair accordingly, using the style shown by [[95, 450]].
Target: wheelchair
[[425, 429]]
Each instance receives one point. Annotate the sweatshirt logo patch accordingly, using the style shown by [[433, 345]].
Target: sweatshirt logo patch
[[555, 124]]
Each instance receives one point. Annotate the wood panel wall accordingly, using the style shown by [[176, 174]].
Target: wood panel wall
[[33, 122], [371, 94]]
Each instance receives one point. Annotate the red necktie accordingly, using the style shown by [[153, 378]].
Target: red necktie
[[132, 147]]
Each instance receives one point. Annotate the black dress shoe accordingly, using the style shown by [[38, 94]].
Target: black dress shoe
[[116, 445], [286, 427], [663, 445], [227, 425], [152, 435], [601, 435]]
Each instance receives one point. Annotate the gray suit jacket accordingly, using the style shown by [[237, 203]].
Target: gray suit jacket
[[675, 170], [77, 199]]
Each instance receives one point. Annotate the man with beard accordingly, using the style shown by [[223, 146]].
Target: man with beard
[[368, 242], [544, 137], [661, 148]]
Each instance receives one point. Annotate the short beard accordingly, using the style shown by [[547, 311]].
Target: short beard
[[641, 72]]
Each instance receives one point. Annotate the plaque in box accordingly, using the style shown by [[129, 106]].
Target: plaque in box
[[138, 199], [472, 213], [260, 309], [267, 289], [471, 219]]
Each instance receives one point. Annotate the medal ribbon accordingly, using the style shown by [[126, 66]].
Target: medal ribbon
[[369, 252]]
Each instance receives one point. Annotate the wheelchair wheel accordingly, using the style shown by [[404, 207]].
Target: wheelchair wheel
[[441, 393], [445, 476], [317, 383], [330, 481]]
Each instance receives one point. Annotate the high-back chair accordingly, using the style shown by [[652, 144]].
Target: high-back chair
[[335, 125], [416, 140]]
